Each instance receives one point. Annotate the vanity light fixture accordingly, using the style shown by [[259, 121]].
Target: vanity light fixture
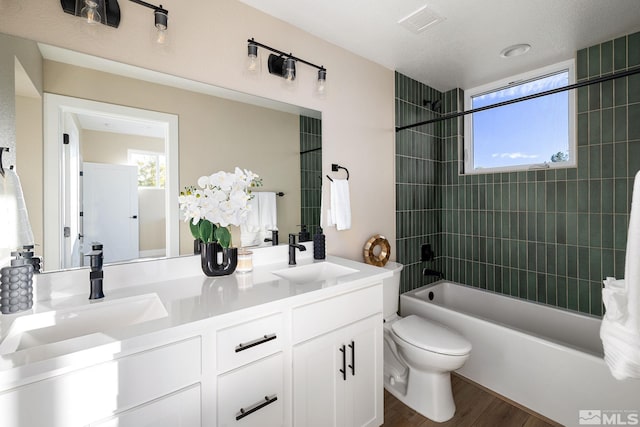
[[90, 12], [283, 64], [161, 21], [105, 12]]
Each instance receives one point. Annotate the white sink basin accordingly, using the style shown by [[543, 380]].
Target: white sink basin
[[317, 272], [52, 326]]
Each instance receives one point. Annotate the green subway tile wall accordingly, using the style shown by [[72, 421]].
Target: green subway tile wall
[[548, 236], [310, 171]]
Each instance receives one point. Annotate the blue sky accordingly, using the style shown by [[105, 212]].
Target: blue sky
[[525, 132]]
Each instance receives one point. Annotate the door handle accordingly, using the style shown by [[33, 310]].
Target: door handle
[[352, 346], [343, 371], [134, 217], [268, 400]]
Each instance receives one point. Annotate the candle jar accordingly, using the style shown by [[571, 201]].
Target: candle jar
[[245, 261]]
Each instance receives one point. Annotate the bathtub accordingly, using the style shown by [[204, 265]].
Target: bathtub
[[546, 359]]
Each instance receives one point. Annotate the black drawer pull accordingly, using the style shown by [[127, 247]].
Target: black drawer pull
[[268, 400], [343, 371], [266, 338]]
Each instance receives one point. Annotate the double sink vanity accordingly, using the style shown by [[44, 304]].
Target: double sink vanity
[[280, 346]]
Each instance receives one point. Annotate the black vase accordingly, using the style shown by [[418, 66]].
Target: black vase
[[209, 259]]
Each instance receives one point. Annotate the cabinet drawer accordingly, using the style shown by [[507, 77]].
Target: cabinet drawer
[[252, 395], [248, 342], [320, 317], [97, 392], [181, 409]]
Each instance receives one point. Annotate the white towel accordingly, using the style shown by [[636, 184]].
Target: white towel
[[632, 261], [614, 297], [340, 204], [250, 230], [268, 213], [15, 228], [620, 330], [325, 215]]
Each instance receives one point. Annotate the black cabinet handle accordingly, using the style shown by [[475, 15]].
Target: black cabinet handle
[[352, 346], [343, 371], [268, 400], [244, 346], [134, 217]]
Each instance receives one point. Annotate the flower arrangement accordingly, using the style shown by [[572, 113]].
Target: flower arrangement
[[221, 200]]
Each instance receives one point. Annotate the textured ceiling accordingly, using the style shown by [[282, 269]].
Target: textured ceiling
[[464, 49]]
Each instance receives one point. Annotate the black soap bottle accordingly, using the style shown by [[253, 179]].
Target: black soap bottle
[[304, 235], [319, 246]]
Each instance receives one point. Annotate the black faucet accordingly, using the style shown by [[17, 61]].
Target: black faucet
[[292, 249], [96, 275], [273, 239]]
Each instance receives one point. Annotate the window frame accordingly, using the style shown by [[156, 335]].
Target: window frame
[[498, 85], [157, 155]]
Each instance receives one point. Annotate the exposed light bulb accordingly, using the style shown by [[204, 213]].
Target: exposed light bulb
[[321, 83], [289, 70], [253, 62], [90, 12], [161, 23]]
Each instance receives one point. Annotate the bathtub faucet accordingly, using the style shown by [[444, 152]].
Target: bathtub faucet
[[430, 272]]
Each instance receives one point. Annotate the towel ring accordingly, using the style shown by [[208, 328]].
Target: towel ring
[[335, 167], [377, 251]]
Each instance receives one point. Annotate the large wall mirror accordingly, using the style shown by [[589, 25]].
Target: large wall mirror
[[95, 138]]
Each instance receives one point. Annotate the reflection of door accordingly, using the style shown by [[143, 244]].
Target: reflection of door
[[71, 208], [110, 209]]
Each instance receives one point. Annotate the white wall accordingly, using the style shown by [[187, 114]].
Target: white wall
[[26, 52], [208, 43]]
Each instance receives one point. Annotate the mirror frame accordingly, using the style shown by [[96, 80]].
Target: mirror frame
[[54, 108]]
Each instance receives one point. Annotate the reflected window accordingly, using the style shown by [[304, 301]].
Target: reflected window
[[151, 168]]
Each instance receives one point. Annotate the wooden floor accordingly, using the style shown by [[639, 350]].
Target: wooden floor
[[474, 407]]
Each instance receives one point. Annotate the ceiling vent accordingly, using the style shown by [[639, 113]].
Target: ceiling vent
[[420, 20]]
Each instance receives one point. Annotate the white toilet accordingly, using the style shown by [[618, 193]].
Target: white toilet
[[419, 355]]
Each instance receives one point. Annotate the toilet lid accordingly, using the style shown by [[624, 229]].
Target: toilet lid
[[430, 335]]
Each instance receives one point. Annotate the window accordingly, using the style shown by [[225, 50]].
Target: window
[[151, 168], [535, 133]]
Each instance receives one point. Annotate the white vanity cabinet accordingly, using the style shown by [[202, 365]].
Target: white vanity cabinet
[[102, 393], [290, 355], [250, 382], [337, 375], [180, 409]]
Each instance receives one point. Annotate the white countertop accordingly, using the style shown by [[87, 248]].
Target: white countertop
[[189, 299]]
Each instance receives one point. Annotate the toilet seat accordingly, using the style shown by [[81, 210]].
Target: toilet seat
[[431, 336]]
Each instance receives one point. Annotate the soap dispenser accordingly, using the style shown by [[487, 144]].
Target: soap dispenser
[[319, 245], [16, 285], [304, 235], [28, 254]]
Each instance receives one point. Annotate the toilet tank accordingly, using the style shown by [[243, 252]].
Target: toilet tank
[[391, 290]]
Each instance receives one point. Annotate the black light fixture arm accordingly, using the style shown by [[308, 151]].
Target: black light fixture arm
[[149, 5], [279, 52]]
